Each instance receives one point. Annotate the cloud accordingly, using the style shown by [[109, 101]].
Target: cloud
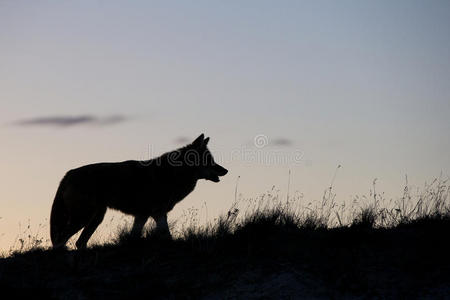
[[261, 141], [182, 140], [71, 121], [112, 120], [281, 142]]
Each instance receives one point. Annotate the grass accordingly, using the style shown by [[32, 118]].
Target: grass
[[262, 247]]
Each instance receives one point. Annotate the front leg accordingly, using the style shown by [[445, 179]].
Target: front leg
[[161, 225], [139, 222]]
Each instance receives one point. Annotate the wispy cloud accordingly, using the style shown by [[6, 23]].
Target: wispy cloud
[[281, 142], [262, 140], [71, 121], [182, 140]]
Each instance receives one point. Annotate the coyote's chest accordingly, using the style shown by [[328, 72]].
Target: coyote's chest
[[178, 193]]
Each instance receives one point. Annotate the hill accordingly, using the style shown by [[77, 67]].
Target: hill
[[268, 254]]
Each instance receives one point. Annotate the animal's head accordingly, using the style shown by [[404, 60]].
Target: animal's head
[[203, 160]]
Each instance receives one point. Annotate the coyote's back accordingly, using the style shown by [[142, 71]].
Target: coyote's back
[[141, 188]]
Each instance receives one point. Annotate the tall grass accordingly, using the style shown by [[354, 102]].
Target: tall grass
[[374, 211], [271, 210], [28, 239], [432, 202]]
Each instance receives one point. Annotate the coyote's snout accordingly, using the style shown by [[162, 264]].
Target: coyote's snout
[[141, 188]]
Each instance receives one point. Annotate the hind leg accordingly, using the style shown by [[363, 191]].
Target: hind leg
[[70, 229], [139, 222], [89, 229], [162, 228]]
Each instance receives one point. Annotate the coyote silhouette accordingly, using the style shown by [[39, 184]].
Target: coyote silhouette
[[140, 188]]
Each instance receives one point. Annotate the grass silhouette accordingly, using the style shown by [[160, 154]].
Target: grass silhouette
[[273, 247]]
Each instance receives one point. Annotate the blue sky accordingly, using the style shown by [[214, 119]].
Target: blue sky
[[364, 84]]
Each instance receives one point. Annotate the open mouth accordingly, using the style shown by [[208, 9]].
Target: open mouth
[[217, 172], [215, 178]]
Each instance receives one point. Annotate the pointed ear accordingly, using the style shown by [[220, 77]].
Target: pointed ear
[[199, 141], [205, 141]]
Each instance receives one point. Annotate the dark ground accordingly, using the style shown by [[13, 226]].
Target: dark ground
[[262, 259]]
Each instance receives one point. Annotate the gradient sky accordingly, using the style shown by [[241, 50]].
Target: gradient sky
[[363, 84]]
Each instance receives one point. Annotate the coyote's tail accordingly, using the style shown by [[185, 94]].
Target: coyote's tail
[[58, 216]]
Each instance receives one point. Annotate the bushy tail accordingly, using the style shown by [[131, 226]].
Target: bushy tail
[[58, 217]]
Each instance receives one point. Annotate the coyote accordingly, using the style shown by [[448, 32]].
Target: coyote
[[140, 188]]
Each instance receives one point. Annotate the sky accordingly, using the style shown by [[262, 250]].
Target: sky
[[287, 91]]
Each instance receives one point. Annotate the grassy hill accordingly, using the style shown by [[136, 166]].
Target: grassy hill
[[268, 252]]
